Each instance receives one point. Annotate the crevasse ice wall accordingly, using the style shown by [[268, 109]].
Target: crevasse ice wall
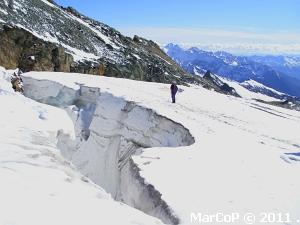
[[109, 130]]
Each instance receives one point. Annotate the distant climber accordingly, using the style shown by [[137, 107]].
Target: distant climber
[[174, 90]]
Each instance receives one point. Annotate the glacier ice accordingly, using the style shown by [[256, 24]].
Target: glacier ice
[[109, 130]]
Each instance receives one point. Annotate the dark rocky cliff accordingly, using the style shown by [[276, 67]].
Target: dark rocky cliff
[[19, 48], [40, 35]]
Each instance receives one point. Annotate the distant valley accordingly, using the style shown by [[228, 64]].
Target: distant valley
[[281, 73]]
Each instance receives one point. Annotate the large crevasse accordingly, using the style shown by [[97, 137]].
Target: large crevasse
[[109, 130]]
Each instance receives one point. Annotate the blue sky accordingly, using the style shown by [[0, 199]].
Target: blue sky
[[235, 25]]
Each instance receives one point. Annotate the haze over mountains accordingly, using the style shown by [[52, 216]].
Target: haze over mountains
[[289, 65], [278, 72], [41, 35]]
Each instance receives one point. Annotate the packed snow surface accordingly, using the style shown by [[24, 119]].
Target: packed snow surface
[[38, 186], [109, 130], [245, 93], [245, 157], [254, 83]]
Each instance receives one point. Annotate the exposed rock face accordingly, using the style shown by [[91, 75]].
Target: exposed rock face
[[61, 60], [97, 48], [109, 131], [17, 82], [220, 86], [42, 36], [21, 49]]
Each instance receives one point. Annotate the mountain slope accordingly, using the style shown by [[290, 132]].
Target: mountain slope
[[37, 35], [232, 67], [289, 65], [61, 39], [239, 144], [260, 88]]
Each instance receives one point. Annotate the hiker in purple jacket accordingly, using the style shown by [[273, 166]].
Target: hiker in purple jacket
[[174, 90]]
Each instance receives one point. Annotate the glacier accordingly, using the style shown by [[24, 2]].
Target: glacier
[[109, 130], [208, 153], [38, 185]]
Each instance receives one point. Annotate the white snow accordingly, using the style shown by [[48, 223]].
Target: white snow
[[247, 94], [38, 186], [100, 34], [292, 62], [137, 56], [3, 11], [48, 3], [5, 86], [234, 63], [32, 57], [165, 49], [196, 72], [19, 6], [162, 59], [79, 55], [46, 36], [238, 162], [49, 33], [254, 83], [5, 2]]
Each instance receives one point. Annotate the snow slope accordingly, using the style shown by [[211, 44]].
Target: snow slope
[[245, 157], [38, 186], [246, 93]]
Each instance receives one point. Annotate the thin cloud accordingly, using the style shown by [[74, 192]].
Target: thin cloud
[[236, 41], [249, 49]]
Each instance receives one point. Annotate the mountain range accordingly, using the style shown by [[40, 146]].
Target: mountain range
[[39, 35], [289, 65], [271, 71]]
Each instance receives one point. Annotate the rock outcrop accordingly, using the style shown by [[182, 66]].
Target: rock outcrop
[[21, 49], [40, 35], [218, 85]]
